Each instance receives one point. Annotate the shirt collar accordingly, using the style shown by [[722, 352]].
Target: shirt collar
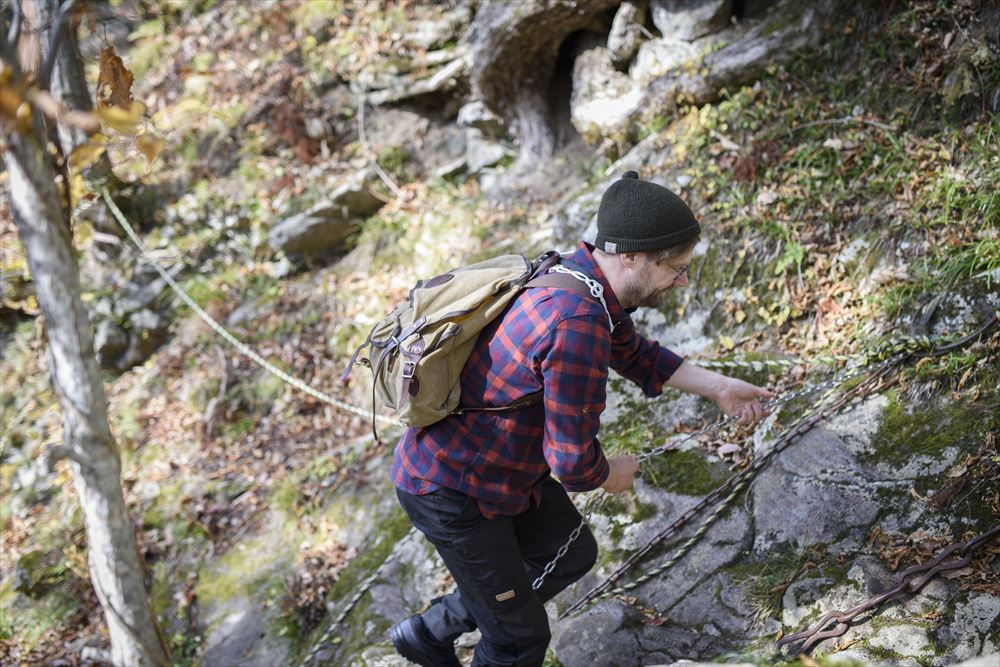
[[584, 259]]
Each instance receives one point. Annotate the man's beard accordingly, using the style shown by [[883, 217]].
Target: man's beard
[[637, 293]]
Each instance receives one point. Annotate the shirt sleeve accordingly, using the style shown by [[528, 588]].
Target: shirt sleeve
[[641, 360], [574, 360]]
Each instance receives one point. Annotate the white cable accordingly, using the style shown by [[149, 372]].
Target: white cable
[[235, 342]]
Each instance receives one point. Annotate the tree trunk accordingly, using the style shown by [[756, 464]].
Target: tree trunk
[[116, 569], [515, 46]]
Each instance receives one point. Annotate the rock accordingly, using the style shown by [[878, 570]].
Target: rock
[[354, 198], [603, 98], [600, 637], [147, 331], [110, 342], [442, 145], [431, 33], [318, 230], [969, 631], [690, 19], [452, 169], [240, 637], [820, 486], [394, 128], [481, 153], [658, 57], [476, 115], [626, 31], [36, 572], [905, 641], [325, 226]]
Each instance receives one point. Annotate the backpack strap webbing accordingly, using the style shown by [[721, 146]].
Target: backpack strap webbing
[[562, 281]]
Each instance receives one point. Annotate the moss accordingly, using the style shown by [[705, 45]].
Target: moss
[[31, 620], [246, 567], [358, 629], [688, 473], [928, 430]]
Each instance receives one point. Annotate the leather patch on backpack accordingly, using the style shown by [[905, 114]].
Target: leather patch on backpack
[[505, 596]]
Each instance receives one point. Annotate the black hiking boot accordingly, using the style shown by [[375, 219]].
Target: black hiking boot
[[414, 642]]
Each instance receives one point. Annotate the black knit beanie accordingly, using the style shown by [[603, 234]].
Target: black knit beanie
[[638, 216]]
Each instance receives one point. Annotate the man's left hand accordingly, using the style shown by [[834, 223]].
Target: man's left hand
[[741, 400]]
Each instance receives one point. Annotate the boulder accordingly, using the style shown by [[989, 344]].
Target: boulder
[[481, 153], [147, 331], [436, 32], [320, 229], [658, 57], [626, 31], [690, 19], [603, 98], [110, 341], [475, 115], [325, 226]]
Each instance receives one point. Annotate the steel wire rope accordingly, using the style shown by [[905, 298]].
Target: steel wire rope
[[229, 337]]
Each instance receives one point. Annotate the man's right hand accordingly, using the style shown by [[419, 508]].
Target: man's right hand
[[623, 469]]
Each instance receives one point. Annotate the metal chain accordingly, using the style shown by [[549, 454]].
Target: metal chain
[[362, 589], [735, 485], [596, 288], [905, 585], [672, 445], [233, 340]]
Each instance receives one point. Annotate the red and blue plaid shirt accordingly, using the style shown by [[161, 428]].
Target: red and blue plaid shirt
[[548, 339]]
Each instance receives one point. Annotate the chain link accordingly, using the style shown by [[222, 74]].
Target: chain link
[[907, 584]]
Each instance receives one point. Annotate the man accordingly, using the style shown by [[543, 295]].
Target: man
[[479, 485]]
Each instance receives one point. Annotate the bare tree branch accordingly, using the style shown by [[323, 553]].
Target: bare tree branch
[[55, 38], [15, 24]]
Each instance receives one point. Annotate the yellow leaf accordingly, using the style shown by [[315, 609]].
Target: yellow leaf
[[82, 233], [122, 120], [150, 146], [726, 342], [87, 153], [30, 305], [740, 316], [77, 190]]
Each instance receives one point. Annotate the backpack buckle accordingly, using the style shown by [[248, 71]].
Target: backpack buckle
[[409, 367]]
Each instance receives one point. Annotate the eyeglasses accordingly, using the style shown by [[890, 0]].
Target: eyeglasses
[[679, 273]]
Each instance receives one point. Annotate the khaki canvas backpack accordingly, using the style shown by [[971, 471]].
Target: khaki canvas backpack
[[418, 351]]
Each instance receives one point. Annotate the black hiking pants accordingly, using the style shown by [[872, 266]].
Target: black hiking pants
[[494, 562]]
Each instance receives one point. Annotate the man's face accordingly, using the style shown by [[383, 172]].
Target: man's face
[[649, 281]]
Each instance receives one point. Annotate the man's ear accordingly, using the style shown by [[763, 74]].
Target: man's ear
[[628, 259]]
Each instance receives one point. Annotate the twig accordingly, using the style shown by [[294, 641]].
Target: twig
[[214, 402], [843, 121], [54, 40], [370, 156], [14, 34]]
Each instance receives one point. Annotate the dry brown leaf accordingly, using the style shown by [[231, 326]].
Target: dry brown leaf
[[957, 574], [114, 82]]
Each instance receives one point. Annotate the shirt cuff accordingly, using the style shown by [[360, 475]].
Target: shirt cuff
[[595, 480]]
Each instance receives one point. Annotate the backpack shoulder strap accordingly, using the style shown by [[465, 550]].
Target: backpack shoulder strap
[[565, 278], [562, 281]]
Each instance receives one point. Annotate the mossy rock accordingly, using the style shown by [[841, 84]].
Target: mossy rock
[[37, 572]]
